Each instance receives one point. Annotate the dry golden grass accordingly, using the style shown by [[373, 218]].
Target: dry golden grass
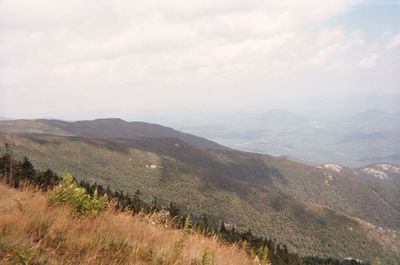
[[31, 232]]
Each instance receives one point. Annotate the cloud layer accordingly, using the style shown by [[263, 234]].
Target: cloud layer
[[98, 54]]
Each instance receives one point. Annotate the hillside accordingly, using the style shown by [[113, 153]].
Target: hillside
[[105, 128], [315, 210], [34, 233]]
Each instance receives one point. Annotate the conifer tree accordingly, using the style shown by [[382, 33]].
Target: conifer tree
[[27, 169]]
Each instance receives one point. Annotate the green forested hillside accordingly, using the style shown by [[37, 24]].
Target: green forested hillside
[[315, 211]]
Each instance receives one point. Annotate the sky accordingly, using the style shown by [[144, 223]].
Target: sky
[[77, 59]]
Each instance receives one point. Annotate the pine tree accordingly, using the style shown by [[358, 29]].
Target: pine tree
[[27, 169]]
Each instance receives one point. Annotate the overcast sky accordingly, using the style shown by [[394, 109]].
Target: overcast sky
[[82, 58]]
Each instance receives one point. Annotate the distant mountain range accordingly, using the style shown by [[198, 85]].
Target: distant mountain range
[[325, 209], [367, 137]]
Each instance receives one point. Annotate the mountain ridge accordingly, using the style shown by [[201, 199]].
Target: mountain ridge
[[106, 128]]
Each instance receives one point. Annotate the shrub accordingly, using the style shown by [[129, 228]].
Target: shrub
[[180, 244], [264, 256], [207, 258], [244, 245], [69, 193]]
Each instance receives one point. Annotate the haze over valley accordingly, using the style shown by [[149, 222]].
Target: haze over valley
[[362, 138]]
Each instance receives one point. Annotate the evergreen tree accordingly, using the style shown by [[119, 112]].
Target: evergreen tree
[[46, 179], [27, 171]]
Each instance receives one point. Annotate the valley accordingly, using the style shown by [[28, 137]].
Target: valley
[[354, 139]]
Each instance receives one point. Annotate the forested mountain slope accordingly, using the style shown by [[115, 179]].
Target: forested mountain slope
[[323, 210], [105, 128]]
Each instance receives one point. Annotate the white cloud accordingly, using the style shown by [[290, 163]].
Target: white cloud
[[324, 54], [166, 52], [369, 61], [393, 42], [337, 49]]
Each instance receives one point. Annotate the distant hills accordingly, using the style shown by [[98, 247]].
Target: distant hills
[[325, 210], [366, 137]]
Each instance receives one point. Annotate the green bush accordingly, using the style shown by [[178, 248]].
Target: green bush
[[69, 193]]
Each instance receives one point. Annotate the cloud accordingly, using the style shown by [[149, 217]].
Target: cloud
[[393, 42], [369, 61], [74, 31], [337, 49], [152, 53]]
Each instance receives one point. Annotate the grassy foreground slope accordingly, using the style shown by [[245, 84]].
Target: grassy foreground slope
[[32, 232]]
